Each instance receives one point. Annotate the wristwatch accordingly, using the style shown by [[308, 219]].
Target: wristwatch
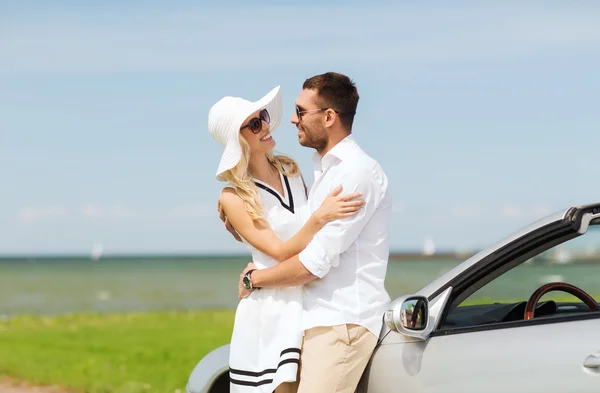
[[247, 280]]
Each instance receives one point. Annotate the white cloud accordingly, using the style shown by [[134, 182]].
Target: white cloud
[[542, 210], [29, 214], [90, 211], [511, 211], [120, 212], [467, 211], [218, 37], [115, 212], [193, 211], [530, 212], [96, 212]]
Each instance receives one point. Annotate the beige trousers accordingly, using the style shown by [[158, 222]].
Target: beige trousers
[[333, 359]]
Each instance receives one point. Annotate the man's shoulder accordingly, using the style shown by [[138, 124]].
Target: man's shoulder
[[360, 162], [361, 168]]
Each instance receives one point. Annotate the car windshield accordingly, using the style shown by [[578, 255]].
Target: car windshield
[[575, 262]]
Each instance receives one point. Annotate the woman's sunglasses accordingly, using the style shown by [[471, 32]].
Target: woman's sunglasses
[[255, 124]]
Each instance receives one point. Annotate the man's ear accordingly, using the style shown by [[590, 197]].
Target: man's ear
[[330, 117]]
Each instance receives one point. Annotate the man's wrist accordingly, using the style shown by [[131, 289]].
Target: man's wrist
[[248, 280], [256, 277]]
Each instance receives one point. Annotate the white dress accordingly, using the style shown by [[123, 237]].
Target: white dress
[[267, 332]]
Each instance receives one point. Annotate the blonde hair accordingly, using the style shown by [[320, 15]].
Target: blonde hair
[[245, 187]]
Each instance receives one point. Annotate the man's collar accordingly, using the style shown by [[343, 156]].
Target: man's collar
[[338, 152]]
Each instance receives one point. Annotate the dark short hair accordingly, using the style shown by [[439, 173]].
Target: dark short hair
[[335, 91]]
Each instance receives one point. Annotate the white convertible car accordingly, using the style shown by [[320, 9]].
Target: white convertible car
[[463, 333]]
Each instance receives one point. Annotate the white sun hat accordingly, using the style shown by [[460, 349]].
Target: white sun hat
[[227, 116]]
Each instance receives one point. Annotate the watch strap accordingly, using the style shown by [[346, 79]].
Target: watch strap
[[248, 275]]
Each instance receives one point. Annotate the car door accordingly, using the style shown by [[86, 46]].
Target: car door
[[548, 358], [485, 344]]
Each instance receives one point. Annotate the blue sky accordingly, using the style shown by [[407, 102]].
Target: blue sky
[[485, 117]]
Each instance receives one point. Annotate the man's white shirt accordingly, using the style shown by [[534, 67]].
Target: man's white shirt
[[349, 256]]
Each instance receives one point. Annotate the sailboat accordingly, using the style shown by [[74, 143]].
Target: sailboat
[[97, 251], [428, 246], [562, 256]]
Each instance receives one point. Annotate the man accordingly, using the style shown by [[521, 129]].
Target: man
[[343, 269]]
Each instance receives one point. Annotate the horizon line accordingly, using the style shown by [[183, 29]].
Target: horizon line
[[201, 254]]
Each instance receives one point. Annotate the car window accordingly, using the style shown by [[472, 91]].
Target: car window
[[575, 262]]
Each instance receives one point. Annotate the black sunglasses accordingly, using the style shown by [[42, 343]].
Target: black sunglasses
[[255, 124], [299, 113]]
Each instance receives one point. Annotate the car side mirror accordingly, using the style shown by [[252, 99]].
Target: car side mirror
[[408, 315], [413, 314]]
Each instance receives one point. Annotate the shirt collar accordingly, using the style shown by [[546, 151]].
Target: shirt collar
[[339, 152]]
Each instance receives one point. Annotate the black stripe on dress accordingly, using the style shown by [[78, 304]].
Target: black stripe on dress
[[290, 350], [269, 370], [276, 195], [252, 374], [247, 383]]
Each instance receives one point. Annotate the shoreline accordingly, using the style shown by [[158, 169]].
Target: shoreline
[[394, 257], [183, 257]]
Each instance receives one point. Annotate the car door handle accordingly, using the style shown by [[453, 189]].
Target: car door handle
[[592, 361]]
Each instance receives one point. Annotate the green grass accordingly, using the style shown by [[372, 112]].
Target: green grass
[[121, 353], [124, 353]]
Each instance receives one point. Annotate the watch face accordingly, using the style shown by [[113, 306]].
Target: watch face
[[246, 282]]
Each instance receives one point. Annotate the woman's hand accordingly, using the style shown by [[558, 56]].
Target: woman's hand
[[337, 206]]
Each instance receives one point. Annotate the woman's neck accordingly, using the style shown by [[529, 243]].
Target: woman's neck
[[260, 168]]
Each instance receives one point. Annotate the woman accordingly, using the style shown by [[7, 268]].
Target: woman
[[264, 201]]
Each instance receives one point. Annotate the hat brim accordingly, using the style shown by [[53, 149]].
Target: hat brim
[[233, 150]]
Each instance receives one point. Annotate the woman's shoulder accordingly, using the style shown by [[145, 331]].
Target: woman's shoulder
[[230, 197]]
